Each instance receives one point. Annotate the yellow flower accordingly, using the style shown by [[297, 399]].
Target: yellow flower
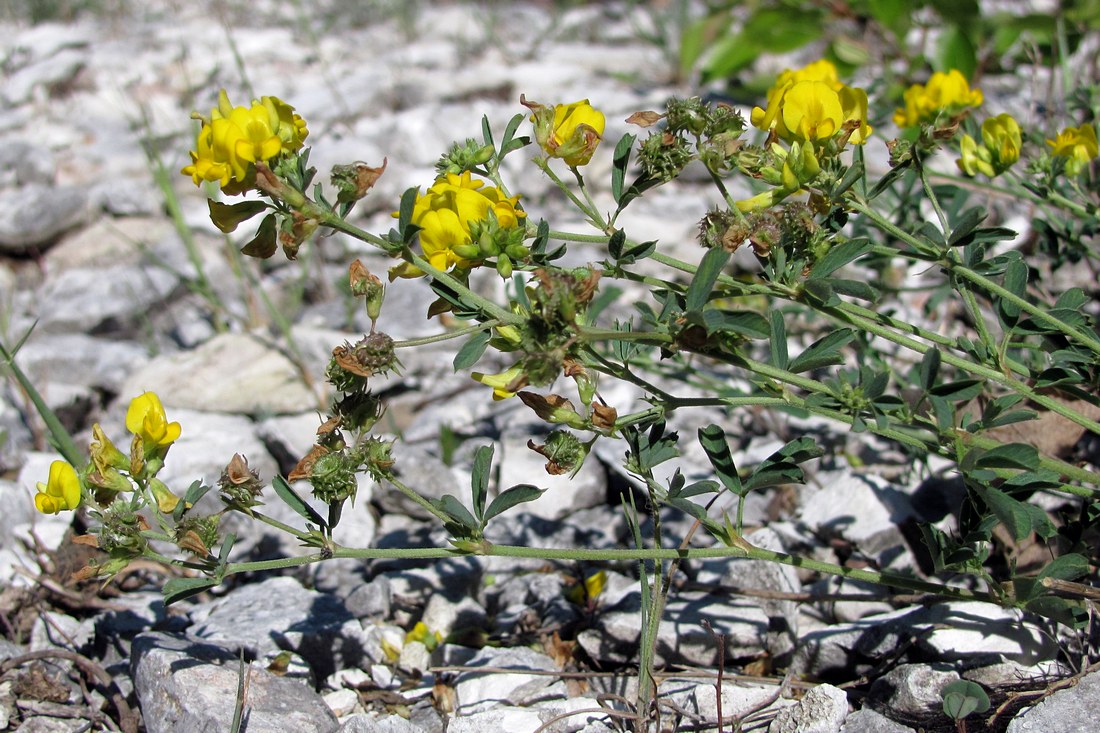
[[61, 491], [445, 212], [811, 111], [811, 104], [505, 384], [146, 419], [420, 632], [233, 139], [568, 131], [1000, 148], [1077, 145], [944, 94]]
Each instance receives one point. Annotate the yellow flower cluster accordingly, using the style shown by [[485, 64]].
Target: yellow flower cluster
[[1000, 147], [944, 94], [153, 435], [445, 214], [1077, 145], [233, 139], [812, 105]]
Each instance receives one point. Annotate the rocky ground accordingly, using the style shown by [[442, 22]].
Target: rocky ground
[[91, 256]]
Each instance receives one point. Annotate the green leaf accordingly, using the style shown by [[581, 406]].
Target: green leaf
[[955, 50], [893, 15], [479, 479], [190, 497], [702, 285], [177, 589], [619, 162], [962, 698], [839, 256], [511, 127], [227, 217], [854, 288], [638, 252], [851, 177], [690, 508], [471, 350], [463, 521], [820, 293], [405, 212], [615, 244], [769, 30], [930, 369], [226, 547], [1067, 567], [713, 440], [264, 244], [1015, 281], [966, 225], [487, 131], [542, 236], [295, 502], [1010, 455], [510, 497], [782, 467], [823, 352], [1071, 614], [778, 343], [1018, 517], [958, 391], [744, 323]]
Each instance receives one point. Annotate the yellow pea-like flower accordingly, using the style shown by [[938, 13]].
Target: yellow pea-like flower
[[445, 213], [568, 131], [505, 384], [944, 94], [1077, 145], [60, 492], [233, 139], [146, 419], [812, 104]]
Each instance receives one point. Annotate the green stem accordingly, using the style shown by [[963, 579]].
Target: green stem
[[304, 536], [60, 438], [593, 215], [745, 550], [1035, 312], [957, 268], [333, 221], [427, 505], [436, 338], [918, 164]]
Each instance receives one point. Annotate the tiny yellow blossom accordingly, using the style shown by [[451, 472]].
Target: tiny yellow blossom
[[233, 139], [146, 419], [1000, 148], [945, 94], [567, 131], [811, 104], [420, 632], [60, 492], [505, 384], [445, 212], [1077, 145]]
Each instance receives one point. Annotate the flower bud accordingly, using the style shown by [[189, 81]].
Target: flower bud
[[166, 500], [367, 285], [553, 409]]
